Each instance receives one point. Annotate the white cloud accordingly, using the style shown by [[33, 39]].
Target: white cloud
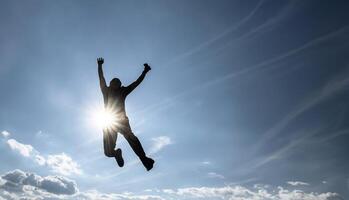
[[93, 194], [58, 163], [24, 149], [242, 193], [63, 164], [42, 135], [24, 182], [159, 143], [215, 175], [297, 183], [5, 133], [168, 191], [24, 185], [206, 162]]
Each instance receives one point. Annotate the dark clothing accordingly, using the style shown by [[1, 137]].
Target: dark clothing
[[114, 100], [110, 137]]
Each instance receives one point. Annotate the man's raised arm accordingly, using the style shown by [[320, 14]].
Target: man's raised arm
[[102, 82], [133, 85]]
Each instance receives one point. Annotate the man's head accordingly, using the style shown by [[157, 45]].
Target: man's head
[[115, 83]]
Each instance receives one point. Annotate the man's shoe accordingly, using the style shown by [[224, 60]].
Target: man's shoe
[[148, 163], [118, 157]]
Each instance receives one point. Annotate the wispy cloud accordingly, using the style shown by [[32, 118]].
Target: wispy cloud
[[330, 89], [159, 143], [23, 149], [217, 37], [333, 87], [5, 133], [334, 135], [297, 183], [281, 152], [215, 175], [206, 162], [269, 63], [58, 163], [63, 164]]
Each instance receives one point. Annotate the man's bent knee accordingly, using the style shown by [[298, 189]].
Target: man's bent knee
[[109, 153]]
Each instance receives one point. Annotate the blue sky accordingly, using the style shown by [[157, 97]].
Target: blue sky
[[246, 99]]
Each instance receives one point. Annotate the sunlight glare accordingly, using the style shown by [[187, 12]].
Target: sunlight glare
[[104, 118]]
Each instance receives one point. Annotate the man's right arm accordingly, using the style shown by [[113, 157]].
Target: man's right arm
[[102, 82]]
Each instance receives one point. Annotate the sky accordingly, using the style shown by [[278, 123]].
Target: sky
[[245, 99]]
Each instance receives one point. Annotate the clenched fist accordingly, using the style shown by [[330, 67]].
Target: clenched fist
[[146, 67]]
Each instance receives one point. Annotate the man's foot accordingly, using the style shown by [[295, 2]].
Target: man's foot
[[148, 163], [118, 157]]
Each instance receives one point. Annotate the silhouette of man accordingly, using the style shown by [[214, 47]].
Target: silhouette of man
[[114, 99]]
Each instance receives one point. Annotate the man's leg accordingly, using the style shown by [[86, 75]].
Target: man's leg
[[109, 143], [136, 146]]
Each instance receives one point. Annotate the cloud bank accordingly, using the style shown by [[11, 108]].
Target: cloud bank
[[25, 185]]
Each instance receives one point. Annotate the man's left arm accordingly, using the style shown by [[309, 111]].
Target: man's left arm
[[133, 85]]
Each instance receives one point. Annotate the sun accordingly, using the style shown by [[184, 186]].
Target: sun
[[104, 118]]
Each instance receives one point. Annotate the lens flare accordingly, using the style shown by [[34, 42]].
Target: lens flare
[[104, 118]]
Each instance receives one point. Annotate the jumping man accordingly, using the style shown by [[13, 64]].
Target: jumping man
[[114, 99]]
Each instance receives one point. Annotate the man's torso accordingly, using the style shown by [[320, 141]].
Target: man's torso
[[115, 100]]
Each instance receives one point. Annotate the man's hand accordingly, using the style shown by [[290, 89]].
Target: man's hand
[[146, 67], [100, 61]]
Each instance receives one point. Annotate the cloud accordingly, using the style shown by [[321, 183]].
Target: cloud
[[297, 183], [23, 149], [266, 64], [330, 89], [91, 195], [58, 185], [19, 182], [25, 185], [58, 163], [63, 164], [221, 35], [5, 133], [215, 175], [278, 154], [159, 143], [333, 87], [206, 162], [243, 193]]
